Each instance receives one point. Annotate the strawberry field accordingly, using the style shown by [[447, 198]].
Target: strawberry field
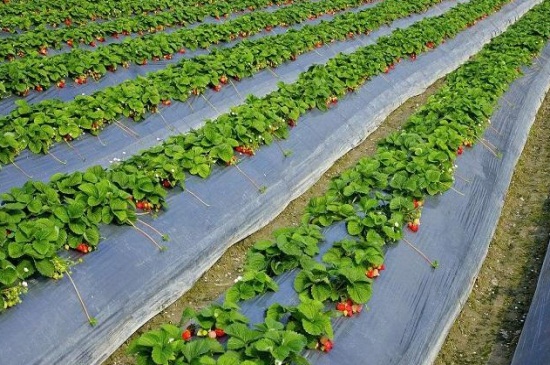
[[139, 141]]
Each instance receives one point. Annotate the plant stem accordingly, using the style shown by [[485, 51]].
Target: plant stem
[[487, 146], [146, 235], [91, 320], [453, 189], [211, 105], [237, 91], [100, 141], [20, 169], [151, 227], [462, 178], [260, 189], [57, 159], [197, 197], [126, 129], [76, 150], [434, 264]]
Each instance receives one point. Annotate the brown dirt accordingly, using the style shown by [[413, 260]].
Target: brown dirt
[[488, 328], [221, 276]]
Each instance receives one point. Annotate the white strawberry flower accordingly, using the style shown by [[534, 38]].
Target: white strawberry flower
[[24, 283], [25, 269]]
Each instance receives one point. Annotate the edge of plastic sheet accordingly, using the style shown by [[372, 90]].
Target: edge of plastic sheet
[[127, 281], [534, 342]]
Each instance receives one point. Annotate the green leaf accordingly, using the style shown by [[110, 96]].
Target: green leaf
[[45, 268], [360, 292], [8, 276]]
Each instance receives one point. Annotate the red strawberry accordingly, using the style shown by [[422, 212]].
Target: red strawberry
[[372, 273], [357, 308], [291, 123], [167, 56], [166, 102], [143, 62], [413, 226], [101, 39], [166, 183], [381, 267], [38, 88], [43, 51], [140, 205], [224, 79], [341, 307], [82, 247], [70, 42], [92, 44], [217, 87], [219, 332], [413, 56], [186, 335], [460, 150], [114, 35], [417, 203], [212, 334], [68, 21], [181, 51]]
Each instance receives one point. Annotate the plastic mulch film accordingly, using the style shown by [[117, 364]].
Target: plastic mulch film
[[413, 306], [116, 143], [122, 74], [128, 280], [534, 343]]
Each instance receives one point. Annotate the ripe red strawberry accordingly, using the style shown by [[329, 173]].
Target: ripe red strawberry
[[430, 45], [100, 39], [460, 150], [268, 28], [413, 226], [291, 123], [82, 247], [166, 183], [417, 203], [167, 56], [381, 267], [372, 273], [43, 51], [219, 332], [68, 22], [217, 87], [143, 62], [92, 44], [181, 51], [167, 102], [186, 335], [224, 79], [387, 69], [412, 56], [341, 307], [114, 35], [39, 88], [156, 58], [326, 344], [140, 205], [70, 42]]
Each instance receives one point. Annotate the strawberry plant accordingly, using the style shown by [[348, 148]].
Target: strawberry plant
[[459, 109]]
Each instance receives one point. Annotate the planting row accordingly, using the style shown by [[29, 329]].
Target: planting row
[[36, 42], [374, 197], [25, 15], [38, 126], [21, 76], [40, 218]]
